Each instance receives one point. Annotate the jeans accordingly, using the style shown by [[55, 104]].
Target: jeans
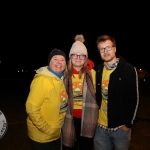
[[107, 140], [54, 145]]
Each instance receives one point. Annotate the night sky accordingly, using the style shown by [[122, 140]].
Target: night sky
[[30, 32]]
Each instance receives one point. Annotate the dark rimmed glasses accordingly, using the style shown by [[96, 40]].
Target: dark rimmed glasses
[[75, 56], [107, 48]]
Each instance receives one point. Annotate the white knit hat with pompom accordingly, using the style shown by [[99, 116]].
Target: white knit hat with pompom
[[78, 46]]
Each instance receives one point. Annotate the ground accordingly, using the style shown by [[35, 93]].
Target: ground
[[12, 103]]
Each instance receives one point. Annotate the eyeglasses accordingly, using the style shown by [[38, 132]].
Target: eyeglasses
[[108, 48], [75, 56]]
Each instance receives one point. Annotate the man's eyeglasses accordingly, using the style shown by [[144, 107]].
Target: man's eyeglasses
[[75, 56], [108, 48]]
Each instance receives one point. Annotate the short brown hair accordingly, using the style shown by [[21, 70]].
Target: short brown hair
[[104, 38]]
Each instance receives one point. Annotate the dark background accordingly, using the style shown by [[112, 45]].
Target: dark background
[[29, 31]]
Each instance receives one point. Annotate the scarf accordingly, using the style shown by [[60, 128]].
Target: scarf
[[114, 65], [89, 112], [59, 75]]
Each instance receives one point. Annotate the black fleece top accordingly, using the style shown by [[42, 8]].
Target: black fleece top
[[123, 94]]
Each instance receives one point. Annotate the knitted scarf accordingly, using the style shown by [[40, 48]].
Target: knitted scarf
[[89, 112]]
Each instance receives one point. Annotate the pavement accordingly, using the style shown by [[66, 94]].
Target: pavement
[[13, 94]]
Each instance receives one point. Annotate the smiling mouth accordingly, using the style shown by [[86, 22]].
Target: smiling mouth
[[58, 66]]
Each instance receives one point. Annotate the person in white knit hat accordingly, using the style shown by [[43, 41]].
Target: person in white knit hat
[[82, 113]]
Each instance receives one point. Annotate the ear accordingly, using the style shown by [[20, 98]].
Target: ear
[[115, 49]]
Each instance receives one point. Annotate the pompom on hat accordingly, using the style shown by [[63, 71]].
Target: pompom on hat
[[78, 46], [55, 52]]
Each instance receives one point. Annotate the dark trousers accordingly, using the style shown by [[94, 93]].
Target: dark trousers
[[54, 145], [81, 142]]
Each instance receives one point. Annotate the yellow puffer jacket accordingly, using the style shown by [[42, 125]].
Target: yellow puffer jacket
[[46, 106]]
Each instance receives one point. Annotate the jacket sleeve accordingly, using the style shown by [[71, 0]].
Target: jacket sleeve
[[133, 98], [33, 105]]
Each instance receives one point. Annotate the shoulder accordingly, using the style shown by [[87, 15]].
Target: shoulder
[[126, 66], [130, 68], [93, 71], [41, 79], [99, 66]]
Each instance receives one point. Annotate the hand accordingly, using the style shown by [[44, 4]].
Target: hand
[[124, 128]]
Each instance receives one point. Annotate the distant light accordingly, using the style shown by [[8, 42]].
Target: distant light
[[18, 70], [0, 61], [22, 70], [143, 79]]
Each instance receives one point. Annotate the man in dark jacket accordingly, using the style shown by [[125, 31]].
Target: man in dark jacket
[[117, 96]]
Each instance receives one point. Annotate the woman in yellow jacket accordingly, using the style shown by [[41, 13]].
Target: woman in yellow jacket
[[46, 104]]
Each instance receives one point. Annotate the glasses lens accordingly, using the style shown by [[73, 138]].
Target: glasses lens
[[108, 48], [82, 56], [74, 56]]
